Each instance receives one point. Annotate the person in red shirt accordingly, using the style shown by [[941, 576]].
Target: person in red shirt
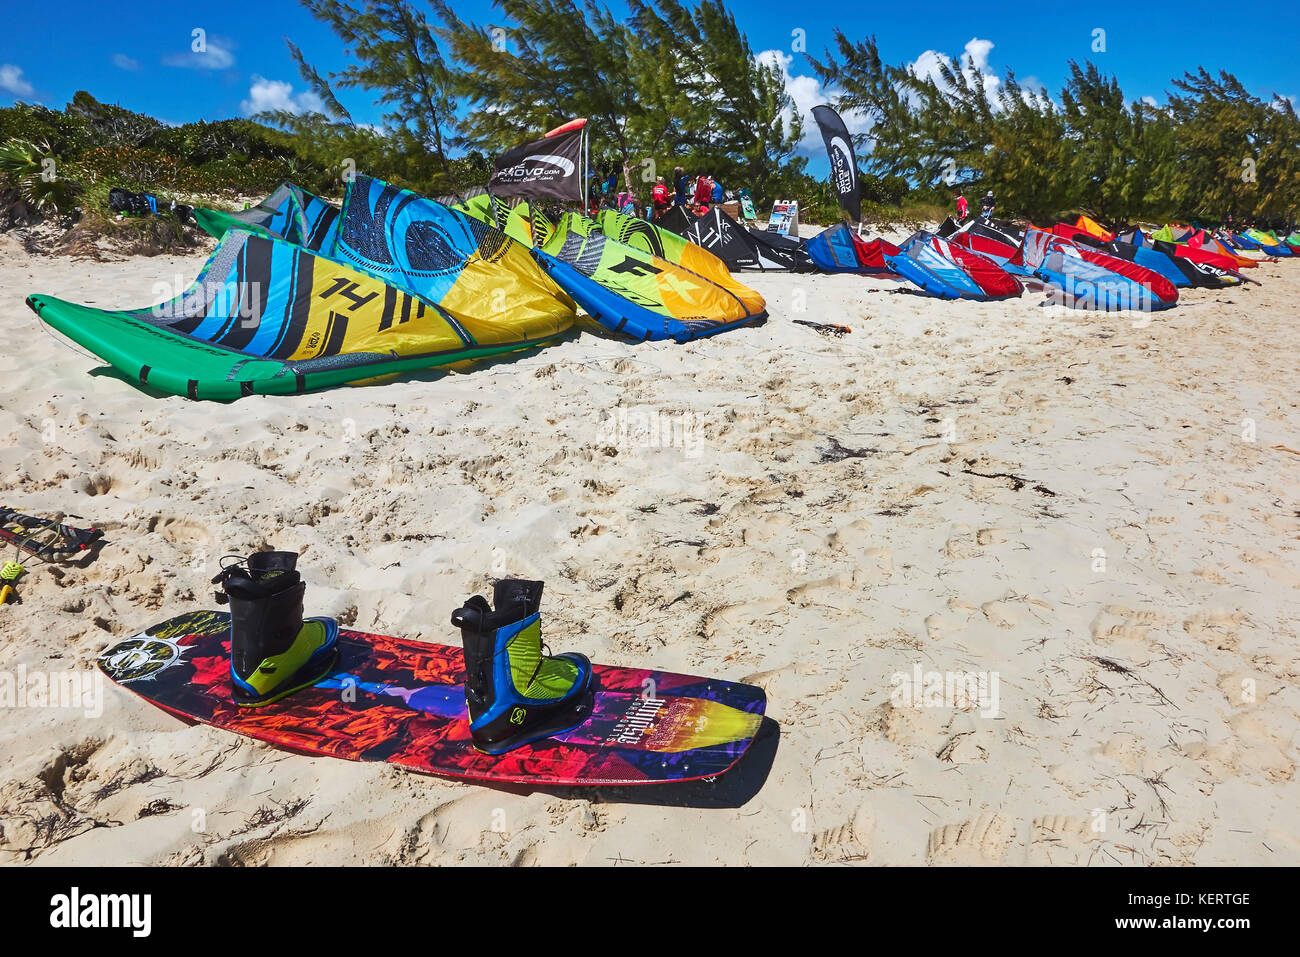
[[963, 208], [660, 197], [703, 191]]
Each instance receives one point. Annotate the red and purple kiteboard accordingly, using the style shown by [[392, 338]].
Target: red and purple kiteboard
[[403, 702]]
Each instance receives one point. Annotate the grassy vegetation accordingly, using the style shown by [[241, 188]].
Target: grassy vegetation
[[57, 167]]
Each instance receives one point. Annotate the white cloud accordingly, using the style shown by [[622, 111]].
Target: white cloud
[[11, 81], [977, 54], [267, 94], [124, 62], [215, 55], [807, 92], [974, 63], [1151, 102]]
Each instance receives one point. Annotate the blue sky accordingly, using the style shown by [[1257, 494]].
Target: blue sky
[[140, 58]]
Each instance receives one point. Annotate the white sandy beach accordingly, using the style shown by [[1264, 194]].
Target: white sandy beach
[[1135, 591]]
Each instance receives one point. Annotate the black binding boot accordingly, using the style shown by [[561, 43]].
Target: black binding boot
[[517, 695], [273, 652]]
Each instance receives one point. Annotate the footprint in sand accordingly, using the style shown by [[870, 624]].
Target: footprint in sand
[[1000, 613], [981, 840], [1244, 690], [1216, 629], [1211, 575], [1125, 751], [180, 531], [1059, 827], [1061, 839], [450, 826], [822, 591], [764, 527], [738, 619], [878, 566], [967, 542], [1258, 748], [852, 536], [1274, 568], [1134, 625], [937, 627], [850, 841], [961, 543]]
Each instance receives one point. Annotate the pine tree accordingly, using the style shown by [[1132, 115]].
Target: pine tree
[[732, 113], [399, 60], [557, 60]]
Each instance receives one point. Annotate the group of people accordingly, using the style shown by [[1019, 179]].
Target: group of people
[[694, 193], [697, 193], [987, 205]]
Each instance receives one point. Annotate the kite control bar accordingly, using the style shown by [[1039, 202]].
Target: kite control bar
[[44, 538]]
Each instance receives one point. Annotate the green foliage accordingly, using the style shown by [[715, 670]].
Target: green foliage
[[397, 59], [1237, 151], [31, 180], [1090, 150], [669, 85], [731, 113], [676, 82], [575, 60]]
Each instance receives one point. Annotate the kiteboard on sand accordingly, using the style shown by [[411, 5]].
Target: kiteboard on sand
[[402, 701]]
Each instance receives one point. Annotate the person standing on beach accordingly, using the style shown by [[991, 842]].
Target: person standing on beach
[[963, 208], [703, 192], [679, 185], [987, 205], [659, 196]]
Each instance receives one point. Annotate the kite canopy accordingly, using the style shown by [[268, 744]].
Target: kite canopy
[[949, 271], [266, 316], [676, 249], [1181, 272], [627, 290], [986, 240], [1090, 279], [441, 255], [1193, 244], [839, 249], [290, 213], [738, 247], [1244, 241], [1093, 228], [1269, 243], [833, 250], [1232, 263], [1160, 280], [778, 252], [1134, 246]]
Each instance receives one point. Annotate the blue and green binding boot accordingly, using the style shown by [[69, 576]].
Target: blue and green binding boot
[[273, 652], [516, 694]]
